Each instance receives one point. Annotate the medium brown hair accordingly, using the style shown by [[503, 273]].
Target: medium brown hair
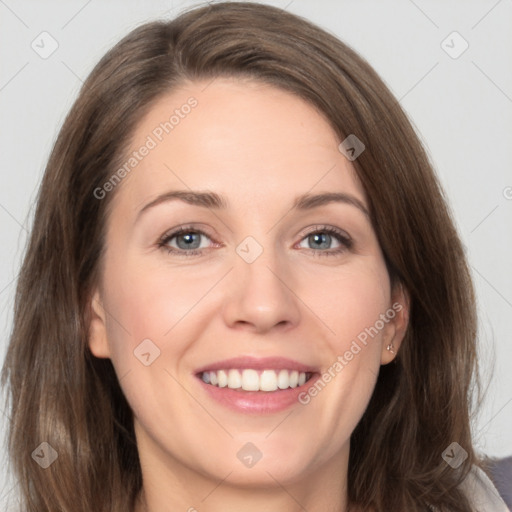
[[60, 393]]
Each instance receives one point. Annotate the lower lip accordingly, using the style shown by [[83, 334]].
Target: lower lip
[[257, 402]]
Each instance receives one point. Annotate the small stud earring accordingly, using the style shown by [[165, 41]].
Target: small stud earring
[[390, 348]]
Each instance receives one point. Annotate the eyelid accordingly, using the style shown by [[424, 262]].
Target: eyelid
[[327, 228], [185, 228]]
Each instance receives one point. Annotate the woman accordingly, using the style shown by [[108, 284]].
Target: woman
[[256, 370]]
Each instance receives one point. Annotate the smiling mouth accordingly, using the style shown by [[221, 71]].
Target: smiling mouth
[[255, 380]]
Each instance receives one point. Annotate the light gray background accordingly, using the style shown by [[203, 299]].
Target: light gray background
[[461, 107]]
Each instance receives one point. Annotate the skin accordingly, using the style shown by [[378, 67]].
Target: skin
[[259, 147]]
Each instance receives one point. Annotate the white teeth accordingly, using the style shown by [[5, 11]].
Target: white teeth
[[222, 377], [283, 379], [294, 379], [268, 380], [250, 380], [234, 379], [254, 380]]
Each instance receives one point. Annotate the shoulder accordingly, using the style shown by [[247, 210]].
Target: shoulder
[[482, 492]]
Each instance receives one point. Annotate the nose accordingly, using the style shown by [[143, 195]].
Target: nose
[[260, 295]]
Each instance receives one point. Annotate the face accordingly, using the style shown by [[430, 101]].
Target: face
[[256, 285]]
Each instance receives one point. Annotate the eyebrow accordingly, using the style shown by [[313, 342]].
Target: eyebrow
[[214, 201]]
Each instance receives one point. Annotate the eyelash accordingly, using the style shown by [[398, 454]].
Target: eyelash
[[345, 241]]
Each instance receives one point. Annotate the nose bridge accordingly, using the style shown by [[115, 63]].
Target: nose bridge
[[259, 267], [261, 293]]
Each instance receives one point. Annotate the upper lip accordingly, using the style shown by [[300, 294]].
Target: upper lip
[[258, 363]]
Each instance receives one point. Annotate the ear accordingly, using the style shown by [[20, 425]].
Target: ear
[[97, 341], [395, 330]]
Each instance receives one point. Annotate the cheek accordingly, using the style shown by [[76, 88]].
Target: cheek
[[350, 302], [150, 327], [151, 302], [351, 305], [155, 316]]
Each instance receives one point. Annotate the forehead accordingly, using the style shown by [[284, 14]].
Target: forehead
[[242, 139]]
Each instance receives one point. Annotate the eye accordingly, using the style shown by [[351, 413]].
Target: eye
[[186, 241], [322, 237]]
